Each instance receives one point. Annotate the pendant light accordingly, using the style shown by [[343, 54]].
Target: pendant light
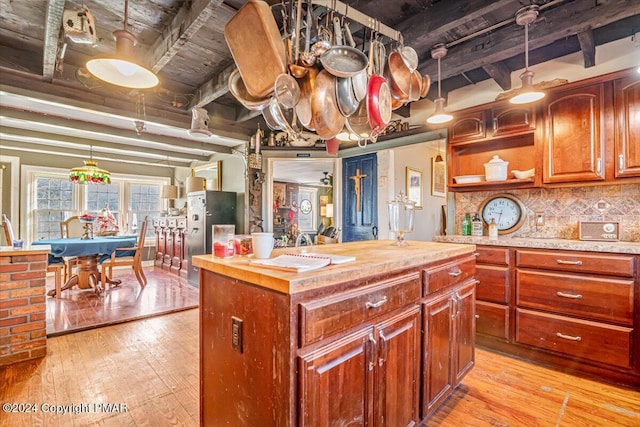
[[439, 116], [122, 69], [527, 94], [90, 173], [439, 158]]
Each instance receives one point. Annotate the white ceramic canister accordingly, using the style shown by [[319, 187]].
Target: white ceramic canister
[[496, 169]]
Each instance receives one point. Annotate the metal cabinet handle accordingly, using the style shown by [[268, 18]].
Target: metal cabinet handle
[[599, 166], [477, 316], [495, 125], [621, 163], [385, 349], [566, 295], [372, 340], [455, 273], [476, 254], [568, 337], [561, 261], [376, 304]]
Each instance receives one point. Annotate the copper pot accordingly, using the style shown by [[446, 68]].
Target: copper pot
[[325, 113]]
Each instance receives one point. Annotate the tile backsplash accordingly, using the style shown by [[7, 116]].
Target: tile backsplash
[[564, 207]]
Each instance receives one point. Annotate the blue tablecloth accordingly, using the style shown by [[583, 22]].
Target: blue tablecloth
[[96, 246]]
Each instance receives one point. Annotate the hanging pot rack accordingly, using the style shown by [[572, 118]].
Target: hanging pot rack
[[354, 15]]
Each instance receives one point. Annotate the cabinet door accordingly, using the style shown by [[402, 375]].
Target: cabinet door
[[336, 382], [399, 370], [469, 127], [511, 120], [574, 140], [465, 333], [437, 381], [627, 127]]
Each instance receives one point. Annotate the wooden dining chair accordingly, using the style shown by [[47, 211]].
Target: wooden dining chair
[[69, 228], [56, 269], [132, 257]]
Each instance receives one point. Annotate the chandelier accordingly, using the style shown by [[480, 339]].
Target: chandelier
[[90, 173]]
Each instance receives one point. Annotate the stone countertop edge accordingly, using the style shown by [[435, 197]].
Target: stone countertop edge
[[531, 242], [26, 250], [372, 258]]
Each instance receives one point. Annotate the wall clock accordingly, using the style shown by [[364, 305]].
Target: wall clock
[[506, 209], [305, 206]]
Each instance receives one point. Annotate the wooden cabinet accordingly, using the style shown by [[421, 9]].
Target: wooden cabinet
[[510, 135], [577, 304], [449, 332], [381, 364], [350, 353], [171, 250], [574, 136], [159, 226], [627, 126], [493, 292]]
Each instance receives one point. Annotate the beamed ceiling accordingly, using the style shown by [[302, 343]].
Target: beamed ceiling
[[183, 42]]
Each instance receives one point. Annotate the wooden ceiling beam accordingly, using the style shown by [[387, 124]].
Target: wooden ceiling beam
[[53, 26], [187, 22], [213, 89], [563, 21], [588, 48], [499, 72]]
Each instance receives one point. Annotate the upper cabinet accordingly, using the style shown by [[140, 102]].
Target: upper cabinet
[[574, 135], [512, 120], [626, 97], [468, 127], [502, 118]]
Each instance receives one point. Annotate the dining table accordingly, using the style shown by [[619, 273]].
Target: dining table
[[88, 252]]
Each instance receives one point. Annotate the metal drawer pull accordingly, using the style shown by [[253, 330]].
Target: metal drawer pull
[[455, 273], [476, 254], [621, 163], [477, 316], [376, 304], [566, 295], [561, 261], [568, 337]]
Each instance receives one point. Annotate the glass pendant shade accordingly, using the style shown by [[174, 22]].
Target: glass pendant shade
[[90, 173], [122, 69], [439, 115]]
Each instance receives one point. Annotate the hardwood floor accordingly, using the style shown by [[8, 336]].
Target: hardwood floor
[[151, 366], [79, 309]]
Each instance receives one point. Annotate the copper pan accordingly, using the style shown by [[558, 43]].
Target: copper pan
[[303, 108], [426, 85], [325, 113]]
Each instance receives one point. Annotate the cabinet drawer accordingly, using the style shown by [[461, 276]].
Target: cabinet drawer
[[580, 262], [492, 319], [493, 283], [327, 316], [591, 297], [448, 274], [580, 338], [490, 255]]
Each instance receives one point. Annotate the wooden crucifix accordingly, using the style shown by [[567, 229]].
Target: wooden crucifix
[[356, 182]]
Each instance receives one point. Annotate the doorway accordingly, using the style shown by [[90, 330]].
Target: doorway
[[300, 197], [360, 190]]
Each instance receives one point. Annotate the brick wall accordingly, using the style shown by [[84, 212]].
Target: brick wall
[[22, 307]]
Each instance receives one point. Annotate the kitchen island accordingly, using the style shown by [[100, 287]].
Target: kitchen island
[[384, 339]]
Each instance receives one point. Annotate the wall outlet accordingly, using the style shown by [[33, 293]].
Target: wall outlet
[[236, 334], [539, 219]]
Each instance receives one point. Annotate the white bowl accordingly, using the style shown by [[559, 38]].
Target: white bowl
[[468, 179], [524, 174]]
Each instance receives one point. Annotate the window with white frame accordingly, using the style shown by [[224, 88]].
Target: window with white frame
[[53, 198]]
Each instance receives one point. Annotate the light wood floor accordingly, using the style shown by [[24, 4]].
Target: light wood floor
[[151, 365]]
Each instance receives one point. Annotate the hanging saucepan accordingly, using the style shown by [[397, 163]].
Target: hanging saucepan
[[279, 118], [343, 61], [426, 85], [399, 77], [286, 90], [347, 102], [326, 116], [239, 91], [378, 104], [360, 80], [303, 108]]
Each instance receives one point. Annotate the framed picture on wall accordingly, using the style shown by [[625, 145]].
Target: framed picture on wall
[[413, 184], [438, 178], [279, 194]]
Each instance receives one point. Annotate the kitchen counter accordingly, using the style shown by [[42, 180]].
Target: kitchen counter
[[372, 258], [530, 242]]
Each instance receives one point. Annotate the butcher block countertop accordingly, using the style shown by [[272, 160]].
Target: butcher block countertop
[[562, 244], [372, 257]]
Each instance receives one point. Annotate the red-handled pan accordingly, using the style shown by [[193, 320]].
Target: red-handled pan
[[378, 104]]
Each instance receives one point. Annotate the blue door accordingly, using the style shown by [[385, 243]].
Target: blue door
[[360, 198]]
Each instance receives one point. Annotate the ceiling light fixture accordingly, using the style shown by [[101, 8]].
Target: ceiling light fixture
[[439, 158], [90, 173], [527, 94], [439, 116], [122, 69]]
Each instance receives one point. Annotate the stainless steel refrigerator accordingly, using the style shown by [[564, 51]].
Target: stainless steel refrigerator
[[204, 209]]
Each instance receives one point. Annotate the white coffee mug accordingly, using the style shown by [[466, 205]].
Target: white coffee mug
[[262, 244]]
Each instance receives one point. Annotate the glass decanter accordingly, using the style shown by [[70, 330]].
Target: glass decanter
[[401, 211]]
